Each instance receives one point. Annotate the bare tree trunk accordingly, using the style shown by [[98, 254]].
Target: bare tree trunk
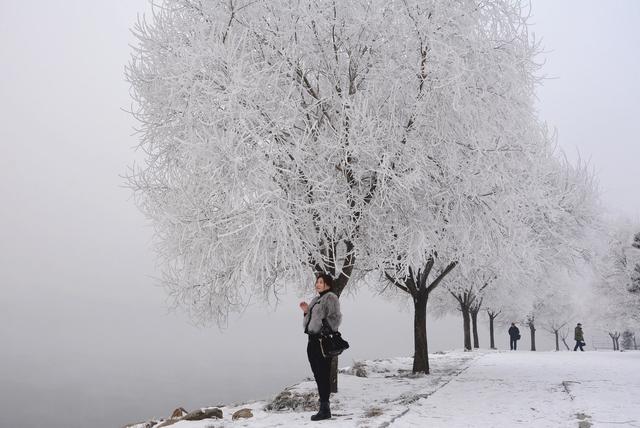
[[557, 341], [613, 341], [564, 333], [333, 375], [491, 332], [466, 325], [417, 286], [421, 350], [614, 338], [635, 345], [465, 299], [474, 326], [532, 329], [339, 285]]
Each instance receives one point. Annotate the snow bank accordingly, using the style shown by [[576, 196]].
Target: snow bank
[[467, 389]]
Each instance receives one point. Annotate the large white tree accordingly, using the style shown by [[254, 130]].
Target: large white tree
[[272, 128], [269, 128]]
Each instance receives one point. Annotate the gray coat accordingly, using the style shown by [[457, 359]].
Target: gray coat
[[326, 306]]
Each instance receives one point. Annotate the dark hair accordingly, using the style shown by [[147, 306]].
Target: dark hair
[[328, 279]]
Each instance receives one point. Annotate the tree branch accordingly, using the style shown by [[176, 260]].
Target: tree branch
[[440, 277]]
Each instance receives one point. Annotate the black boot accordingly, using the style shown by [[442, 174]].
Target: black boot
[[323, 413]]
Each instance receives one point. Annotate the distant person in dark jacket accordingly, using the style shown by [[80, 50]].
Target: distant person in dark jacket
[[324, 307], [514, 336], [579, 337]]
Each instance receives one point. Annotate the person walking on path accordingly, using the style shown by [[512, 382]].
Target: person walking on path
[[322, 313], [579, 337], [514, 336]]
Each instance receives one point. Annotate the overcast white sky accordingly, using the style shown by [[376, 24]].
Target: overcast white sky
[[592, 94], [82, 325]]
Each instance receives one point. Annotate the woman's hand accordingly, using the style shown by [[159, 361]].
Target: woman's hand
[[304, 306]]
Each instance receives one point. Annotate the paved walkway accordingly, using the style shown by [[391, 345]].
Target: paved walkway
[[536, 389]]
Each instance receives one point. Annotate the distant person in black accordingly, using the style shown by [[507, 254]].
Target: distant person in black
[[579, 337], [514, 335]]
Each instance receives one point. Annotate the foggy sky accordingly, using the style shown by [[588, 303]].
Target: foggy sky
[[592, 88], [83, 325]]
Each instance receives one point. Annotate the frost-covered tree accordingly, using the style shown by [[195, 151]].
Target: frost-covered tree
[[555, 213], [564, 335], [607, 315], [266, 128], [634, 277], [488, 281], [558, 310], [555, 325], [465, 298], [492, 314], [550, 310], [561, 227], [532, 225], [468, 291], [269, 128], [468, 117], [615, 339], [530, 322], [566, 214], [629, 340], [616, 303], [505, 300]]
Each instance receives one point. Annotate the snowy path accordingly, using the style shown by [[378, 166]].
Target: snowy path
[[543, 389]]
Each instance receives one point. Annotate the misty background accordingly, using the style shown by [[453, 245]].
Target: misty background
[[86, 335]]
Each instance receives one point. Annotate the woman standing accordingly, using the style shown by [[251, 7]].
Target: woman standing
[[322, 313]]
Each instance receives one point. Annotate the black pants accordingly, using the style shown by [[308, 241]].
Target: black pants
[[320, 366], [513, 343], [578, 345]]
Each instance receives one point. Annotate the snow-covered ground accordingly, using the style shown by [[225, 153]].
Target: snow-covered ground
[[537, 389], [474, 389]]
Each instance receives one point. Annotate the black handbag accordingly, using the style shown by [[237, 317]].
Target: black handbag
[[331, 342]]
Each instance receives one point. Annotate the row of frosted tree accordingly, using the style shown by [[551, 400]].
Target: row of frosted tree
[[393, 143]]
